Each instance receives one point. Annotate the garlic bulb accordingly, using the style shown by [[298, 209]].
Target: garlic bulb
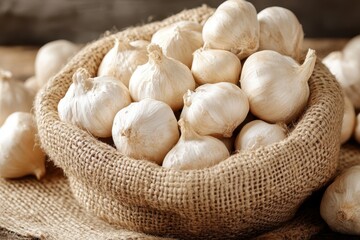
[[213, 66], [258, 133], [276, 85], [193, 151], [333, 62], [92, 103], [145, 130], [357, 128], [350, 65], [161, 78], [340, 203], [20, 153], [349, 121], [122, 60], [280, 31], [215, 109], [234, 27], [179, 41], [51, 57], [14, 97], [32, 85]]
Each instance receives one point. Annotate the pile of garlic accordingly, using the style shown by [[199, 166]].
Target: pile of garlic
[[20, 152], [345, 66], [195, 94]]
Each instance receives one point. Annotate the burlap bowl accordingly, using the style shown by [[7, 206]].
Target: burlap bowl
[[250, 192]]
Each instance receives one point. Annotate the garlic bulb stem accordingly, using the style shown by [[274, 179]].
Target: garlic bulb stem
[[155, 53], [5, 75]]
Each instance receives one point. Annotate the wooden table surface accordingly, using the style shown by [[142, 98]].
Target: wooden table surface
[[20, 61]]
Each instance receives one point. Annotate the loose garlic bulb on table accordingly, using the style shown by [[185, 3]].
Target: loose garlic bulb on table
[[20, 153], [350, 64], [161, 78], [32, 85], [215, 109], [51, 57], [280, 31], [14, 96], [340, 206], [276, 85], [213, 66], [145, 130], [122, 60], [92, 103], [349, 121], [258, 133], [234, 27], [179, 41], [193, 151]]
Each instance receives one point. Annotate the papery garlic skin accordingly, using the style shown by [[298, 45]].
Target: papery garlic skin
[[122, 60], [350, 65], [340, 207], [357, 129], [193, 151], [213, 66], [215, 109], [20, 153], [145, 130], [276, 85], [281, 31], [233, 27], [179, 41], [349, 121], [14, 96], [32, 85], [258, 133], [161, 78], [92, 103], [51, 57], [333, 62]]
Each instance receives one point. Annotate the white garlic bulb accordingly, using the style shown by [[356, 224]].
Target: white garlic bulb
[[333, 62], [357, 129], [215, 109], [92, 103], [234, 27], [32, 85], [14, 97], [340, 203], [276, 85], [179, 41], [349, 121], [161, 78], [51, 57], [258, 133], [122, 60], [350, 65], [213, 66], [20, 153], [280, 31], [145, 130], [193, 151]]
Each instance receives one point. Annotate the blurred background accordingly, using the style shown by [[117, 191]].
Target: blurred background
[[35, 22]]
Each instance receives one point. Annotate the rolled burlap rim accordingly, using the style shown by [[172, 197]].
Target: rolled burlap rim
[[250, 192]]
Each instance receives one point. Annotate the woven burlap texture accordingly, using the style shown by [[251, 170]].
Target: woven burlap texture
[[249, 192], [46, 209]]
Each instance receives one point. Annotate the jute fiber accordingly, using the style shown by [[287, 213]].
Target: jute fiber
[[251, 191], [47, 210]]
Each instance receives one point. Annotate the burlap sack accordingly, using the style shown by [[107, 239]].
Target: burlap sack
[[250, 192]]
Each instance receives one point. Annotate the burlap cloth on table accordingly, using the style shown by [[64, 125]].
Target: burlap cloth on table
[[250, 192], [47, 210]]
